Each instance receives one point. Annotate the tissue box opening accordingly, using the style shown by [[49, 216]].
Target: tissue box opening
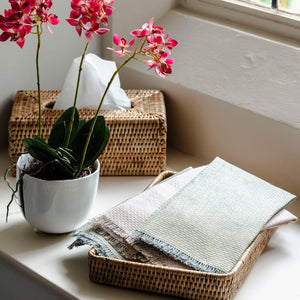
[[138, 140]]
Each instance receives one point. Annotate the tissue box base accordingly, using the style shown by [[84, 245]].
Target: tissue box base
[[138, 140]]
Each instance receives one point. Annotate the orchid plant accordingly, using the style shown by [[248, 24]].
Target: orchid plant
[[75, 144]]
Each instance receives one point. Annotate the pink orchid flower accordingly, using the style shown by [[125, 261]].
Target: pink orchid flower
[[144, 31], [94, 29], [157, 43], [122, 43], [18, 21], [52, 19], [15, 34], [42, 8], [161, 64], [153, 44], [88, 14], [108, 9], [78, 25], [170, 43]]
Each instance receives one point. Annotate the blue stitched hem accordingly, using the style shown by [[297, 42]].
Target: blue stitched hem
[[101, 245], [176, 254]]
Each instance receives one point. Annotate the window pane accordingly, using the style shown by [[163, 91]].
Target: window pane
[[265, 2], [290, 5]]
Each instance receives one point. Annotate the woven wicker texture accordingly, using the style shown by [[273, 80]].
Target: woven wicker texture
[[176, 282], [137, 144]]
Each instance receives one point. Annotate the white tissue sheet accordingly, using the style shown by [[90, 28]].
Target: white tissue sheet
[[95, 76]]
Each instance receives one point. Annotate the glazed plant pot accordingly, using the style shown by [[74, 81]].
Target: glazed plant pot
[[56, 206]]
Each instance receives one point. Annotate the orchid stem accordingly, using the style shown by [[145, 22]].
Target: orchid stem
[[98, 110], [38, 78], [76, 94]]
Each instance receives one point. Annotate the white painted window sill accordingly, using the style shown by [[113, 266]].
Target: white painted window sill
[[46, 260]]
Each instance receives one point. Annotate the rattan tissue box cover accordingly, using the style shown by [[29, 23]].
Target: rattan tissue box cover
[[138, 140]]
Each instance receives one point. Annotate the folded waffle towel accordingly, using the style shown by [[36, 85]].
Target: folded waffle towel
[[283, 217], [211, 221], [111, 234]]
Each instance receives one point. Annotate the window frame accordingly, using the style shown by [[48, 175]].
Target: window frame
[[251, 16], [275, 4]]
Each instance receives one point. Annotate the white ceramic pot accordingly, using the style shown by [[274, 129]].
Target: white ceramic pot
[[57, 206]]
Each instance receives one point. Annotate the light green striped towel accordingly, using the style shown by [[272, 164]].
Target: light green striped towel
[[210, 222]]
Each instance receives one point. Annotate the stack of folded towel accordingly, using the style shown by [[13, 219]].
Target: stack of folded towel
[[202, 219]]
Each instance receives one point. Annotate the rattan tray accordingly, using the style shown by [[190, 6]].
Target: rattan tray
[[138, 140], [176, 282]]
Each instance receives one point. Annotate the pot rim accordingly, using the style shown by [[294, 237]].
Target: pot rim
[[97, 162]]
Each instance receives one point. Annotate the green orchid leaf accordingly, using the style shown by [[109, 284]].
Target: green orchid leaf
[[58, 135], [77, 144], [97, 144], [64, 161], [37, 138], [40, 150], [56, 138], [98, 141], [81, 123]]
